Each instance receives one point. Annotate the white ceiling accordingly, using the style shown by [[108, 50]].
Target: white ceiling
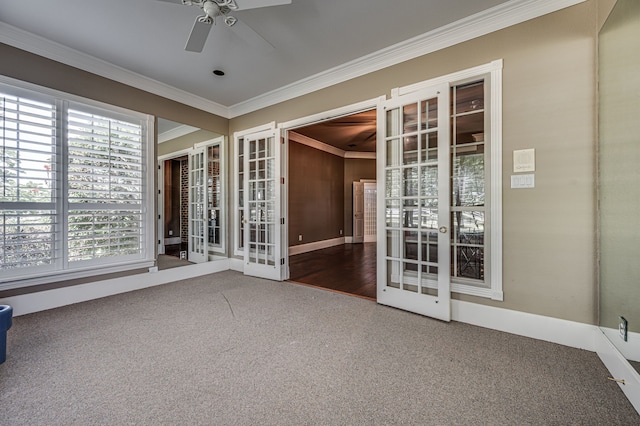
[[141, 42]]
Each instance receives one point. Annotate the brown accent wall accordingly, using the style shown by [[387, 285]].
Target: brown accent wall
[[354, 170], [316, 194], [171, 198]]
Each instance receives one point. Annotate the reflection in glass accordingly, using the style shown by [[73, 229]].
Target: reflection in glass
[[410, 182], [469, 128], [392, 213], [174, 198], [410, 118], [394, 183], [410, 149], [429, 114], [468, 179], [393, 152], [468, 244]]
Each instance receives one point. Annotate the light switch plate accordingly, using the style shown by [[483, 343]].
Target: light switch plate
[[524, 160], [523, 181]]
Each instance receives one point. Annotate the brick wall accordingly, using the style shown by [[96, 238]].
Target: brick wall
[[184, 200]]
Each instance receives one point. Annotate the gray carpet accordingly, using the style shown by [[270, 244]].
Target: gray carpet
[[229, 350], [167, 262]]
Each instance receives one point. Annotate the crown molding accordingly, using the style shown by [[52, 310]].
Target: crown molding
[[488, 21], [57, 52], [316, 144], [176, 132], [482, 23], [321, 146]]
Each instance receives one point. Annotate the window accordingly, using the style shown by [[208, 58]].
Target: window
[[74, 187], [468, 182]]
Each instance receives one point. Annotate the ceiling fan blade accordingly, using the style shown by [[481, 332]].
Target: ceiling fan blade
[[254, 4], [247, 33], [198, 36], [172, 1]]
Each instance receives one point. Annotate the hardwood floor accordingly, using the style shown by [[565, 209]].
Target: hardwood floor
[[347, 268]]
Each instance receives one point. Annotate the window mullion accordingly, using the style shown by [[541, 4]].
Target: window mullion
[[62, 184]]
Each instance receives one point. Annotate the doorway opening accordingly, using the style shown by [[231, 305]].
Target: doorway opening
[[173, 222], [331, 204]]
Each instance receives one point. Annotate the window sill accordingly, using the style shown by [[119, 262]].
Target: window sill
[[77, 274]]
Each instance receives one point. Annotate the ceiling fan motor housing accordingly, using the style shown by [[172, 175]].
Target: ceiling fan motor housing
[[215, 8]]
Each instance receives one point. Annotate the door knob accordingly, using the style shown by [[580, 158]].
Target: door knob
[[443, 229]]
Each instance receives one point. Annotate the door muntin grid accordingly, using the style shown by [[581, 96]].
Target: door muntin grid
[[197, 206], [214, 197], [416, 199], [261, 215]]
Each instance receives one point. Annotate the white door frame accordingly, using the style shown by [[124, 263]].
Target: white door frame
[[288, 126]]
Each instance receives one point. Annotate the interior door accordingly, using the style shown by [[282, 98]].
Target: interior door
[[263, 255], [358, 212], [197, 206], [413, 192], [370, 201]]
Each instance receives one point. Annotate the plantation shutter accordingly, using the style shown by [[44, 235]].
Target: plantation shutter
[[28, 159], [105, 186]]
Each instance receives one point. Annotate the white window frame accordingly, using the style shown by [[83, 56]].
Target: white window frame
[[220, 143], [238, 138], [83, 269], [492, 73]]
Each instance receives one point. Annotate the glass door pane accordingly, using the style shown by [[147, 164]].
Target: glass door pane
[[214, 198]]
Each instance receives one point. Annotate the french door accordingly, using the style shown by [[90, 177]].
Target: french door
[[413, 201], [262, 222], [197, 206]]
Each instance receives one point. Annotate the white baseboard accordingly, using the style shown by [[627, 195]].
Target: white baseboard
[[629, 349], [563, 332], [49, 299], [348, 240], [236, 264], [620, 369], [567, 333], [317, 245]]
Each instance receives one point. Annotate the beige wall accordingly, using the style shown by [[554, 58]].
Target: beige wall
[[549, 105], [185, 142], [25, 66]]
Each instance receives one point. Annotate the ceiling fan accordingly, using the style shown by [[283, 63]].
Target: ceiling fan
[[222, 9]]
